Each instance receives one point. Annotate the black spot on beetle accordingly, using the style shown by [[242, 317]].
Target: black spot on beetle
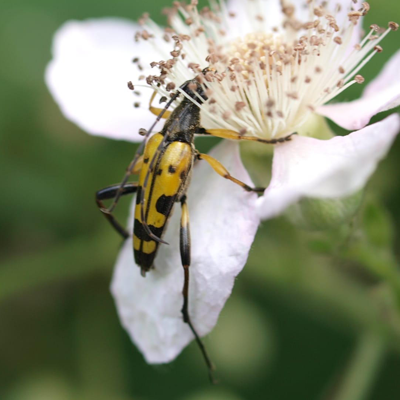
[[141, 234], [164, 204], [146, 160], [138, 194], [159, 172], [171, 169]]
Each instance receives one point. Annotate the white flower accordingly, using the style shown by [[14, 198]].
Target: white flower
[[275, 70]]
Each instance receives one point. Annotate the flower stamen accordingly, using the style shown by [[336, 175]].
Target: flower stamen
[[269, 81]]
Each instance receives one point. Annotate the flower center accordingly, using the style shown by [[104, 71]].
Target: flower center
[[269, 81]]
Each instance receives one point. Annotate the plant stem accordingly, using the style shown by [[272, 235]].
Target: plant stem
[[363, 368]]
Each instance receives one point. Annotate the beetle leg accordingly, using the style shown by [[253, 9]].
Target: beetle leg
[[109, 193], [184, 237], [157, 111], [221, 170], [228, 134]]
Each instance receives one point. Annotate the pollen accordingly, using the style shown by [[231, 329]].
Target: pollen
[[272, 79]]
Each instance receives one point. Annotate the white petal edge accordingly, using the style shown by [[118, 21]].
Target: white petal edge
[[88, 75], [307, 167], [382, 94], [223, 224]]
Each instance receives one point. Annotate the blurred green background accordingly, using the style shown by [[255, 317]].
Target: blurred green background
[[312, 316]]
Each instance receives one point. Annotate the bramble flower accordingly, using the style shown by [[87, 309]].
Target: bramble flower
[[275, 66]]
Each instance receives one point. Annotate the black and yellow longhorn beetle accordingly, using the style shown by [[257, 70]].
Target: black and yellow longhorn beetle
[[165, 170]]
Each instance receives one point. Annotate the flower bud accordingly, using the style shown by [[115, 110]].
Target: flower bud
[[322, 214]]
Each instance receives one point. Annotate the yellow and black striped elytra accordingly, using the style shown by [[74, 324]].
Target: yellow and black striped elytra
[[165, 170], [167, 181]]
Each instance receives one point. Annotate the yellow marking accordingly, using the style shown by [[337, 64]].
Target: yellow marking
[[136, 243], [156, 111], [178, 156], [149, 152], [149, 247]]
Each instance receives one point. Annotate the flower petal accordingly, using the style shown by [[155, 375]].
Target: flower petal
[[307, 167], [88, 75], [382, 94], [223, 225]]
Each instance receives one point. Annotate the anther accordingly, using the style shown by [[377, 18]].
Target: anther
[[142, 132], [130, 85], [366, 8], [334, 26], [292, 95], [192, 86], [318, 12], [311, 108], [209, 92], [353, 14], [170, 86], [308, 25], [378, 49], [240, 105], [359, 79], [338, 40], [270, 103], [393, 26], [226, 115]]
